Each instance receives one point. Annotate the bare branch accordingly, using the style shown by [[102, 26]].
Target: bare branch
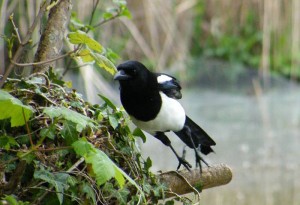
[[42, 62], [11, 18]]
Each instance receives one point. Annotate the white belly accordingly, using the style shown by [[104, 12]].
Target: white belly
[[171, 117]]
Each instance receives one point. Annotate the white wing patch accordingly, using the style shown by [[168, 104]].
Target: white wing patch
[[163, 78]]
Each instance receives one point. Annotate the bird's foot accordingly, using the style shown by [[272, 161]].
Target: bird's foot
[[198, 161], [185, 163]]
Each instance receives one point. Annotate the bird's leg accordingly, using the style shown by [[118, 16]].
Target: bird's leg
[[197, 154], [183, 152], [164, 139]]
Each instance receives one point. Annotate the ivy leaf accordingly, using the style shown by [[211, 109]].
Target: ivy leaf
[[69, 132], [6, 142], [108, 102], [80, 120], [54, 77], [148, 164], [86, 188], [139, 133], [80, 37], [104, 63], [48, 132], [58, 180], [82, 147], [103, 168], [113, 121], [13, 108]]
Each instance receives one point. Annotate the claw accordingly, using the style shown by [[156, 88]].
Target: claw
[[185, 163], [199, 159]]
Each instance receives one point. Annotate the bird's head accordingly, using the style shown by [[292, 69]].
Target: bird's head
[[132, 74]]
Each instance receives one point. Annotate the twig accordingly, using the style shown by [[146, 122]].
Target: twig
[[11, 18], [93, 11], [27, 127], [54, 3], [41, 74], [52, 149], [25, 41], [42, 62], [107, 20], [76, 164]]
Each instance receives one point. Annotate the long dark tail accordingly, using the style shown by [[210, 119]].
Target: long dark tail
[[199, 136]]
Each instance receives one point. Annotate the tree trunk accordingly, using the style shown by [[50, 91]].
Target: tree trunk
[[51, 42]]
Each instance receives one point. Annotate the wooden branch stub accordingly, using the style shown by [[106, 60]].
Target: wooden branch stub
[[184, 182]]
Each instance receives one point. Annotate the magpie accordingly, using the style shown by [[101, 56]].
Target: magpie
[[150, 99]]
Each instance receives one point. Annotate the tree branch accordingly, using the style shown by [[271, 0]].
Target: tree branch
[[184, 182]]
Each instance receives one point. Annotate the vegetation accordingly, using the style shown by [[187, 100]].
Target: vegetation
[[63, 150], [56, 148]]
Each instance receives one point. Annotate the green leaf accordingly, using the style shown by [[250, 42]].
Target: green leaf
[[108, 102], [104, 63], [82, 147], [107, 15], [13, 108], [28, 156], [58, 180], [80, 120], [125, 12], [121, 195], [86, 56], [7, 142], [139, 133], [12, 200], [54, 77], [69, 132], [48, 132], [88, 189], [148, 164], [113, 121], [80, 37], [103, 168]]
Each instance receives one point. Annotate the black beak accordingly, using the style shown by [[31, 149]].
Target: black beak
[[121, 75]]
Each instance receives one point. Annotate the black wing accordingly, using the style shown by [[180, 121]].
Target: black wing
[[169, 85]]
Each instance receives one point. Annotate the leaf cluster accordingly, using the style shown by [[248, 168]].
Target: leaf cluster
[[58, 149]]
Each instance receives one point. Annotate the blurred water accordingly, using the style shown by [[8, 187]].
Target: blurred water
[[257, 135]]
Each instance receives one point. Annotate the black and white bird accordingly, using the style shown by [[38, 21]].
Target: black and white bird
[[150, 99]]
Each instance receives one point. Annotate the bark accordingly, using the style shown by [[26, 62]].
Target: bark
[[51, 42], [184, 182]]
